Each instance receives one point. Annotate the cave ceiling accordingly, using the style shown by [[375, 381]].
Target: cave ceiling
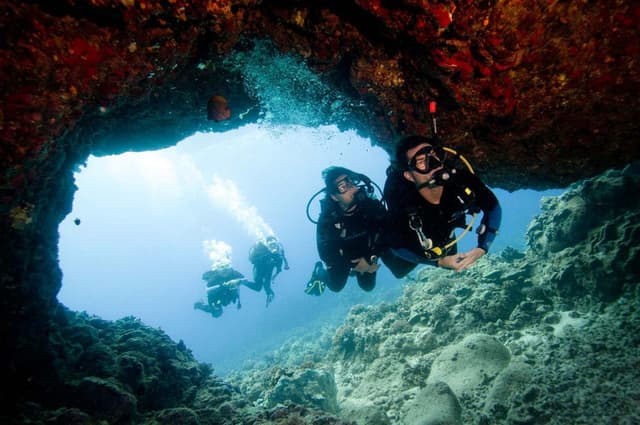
[[537, 93]]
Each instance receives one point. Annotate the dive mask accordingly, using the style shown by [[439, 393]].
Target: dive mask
[[344, 184], [426, 159]]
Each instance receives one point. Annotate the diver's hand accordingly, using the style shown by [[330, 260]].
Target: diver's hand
[[362, 266], [234, 282], [461, 261]]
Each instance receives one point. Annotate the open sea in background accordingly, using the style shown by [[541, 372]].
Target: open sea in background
[[138, 249]]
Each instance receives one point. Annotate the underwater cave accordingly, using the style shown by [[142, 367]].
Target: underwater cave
[[528, 91]]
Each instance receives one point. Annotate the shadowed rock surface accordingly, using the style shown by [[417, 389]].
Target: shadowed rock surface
[[124, 372], [539, 94]]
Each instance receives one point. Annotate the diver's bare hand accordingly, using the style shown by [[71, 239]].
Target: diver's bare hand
[[461, 261]]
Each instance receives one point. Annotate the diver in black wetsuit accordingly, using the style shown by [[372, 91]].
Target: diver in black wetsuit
[[349, 227], [222, 289], [267, 257], [428, 196]]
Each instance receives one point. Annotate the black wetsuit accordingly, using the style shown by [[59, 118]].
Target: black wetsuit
[[341, 238], [222, 295], [217, 292], [463, 192], [264, 263]]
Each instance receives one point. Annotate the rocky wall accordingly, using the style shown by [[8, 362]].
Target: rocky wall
[[538, 93]]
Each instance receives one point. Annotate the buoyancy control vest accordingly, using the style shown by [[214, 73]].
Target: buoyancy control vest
[[427, 229], [343, 237]]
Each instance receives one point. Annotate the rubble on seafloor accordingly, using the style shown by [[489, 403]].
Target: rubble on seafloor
[[551, 335]]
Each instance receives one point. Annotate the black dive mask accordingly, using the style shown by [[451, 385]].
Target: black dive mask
[[426, 159], [344, 184]]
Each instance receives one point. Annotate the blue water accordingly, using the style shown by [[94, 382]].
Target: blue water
[[138, 249]]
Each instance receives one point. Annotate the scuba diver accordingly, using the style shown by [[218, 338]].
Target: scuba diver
[[222, 289], [429, 191], [266, 256], [349, 228]]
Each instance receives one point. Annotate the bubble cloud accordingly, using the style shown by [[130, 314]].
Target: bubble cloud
[[225, 194]]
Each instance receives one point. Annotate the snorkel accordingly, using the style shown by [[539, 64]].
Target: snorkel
[[441, 176]]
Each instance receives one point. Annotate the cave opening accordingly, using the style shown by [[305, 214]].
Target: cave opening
[[133, 242]]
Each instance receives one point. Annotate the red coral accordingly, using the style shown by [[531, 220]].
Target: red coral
[[459, 61], [375, 7], [441, 14]]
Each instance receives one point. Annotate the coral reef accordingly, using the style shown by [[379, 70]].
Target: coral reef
[[124, 372], [545, 336]]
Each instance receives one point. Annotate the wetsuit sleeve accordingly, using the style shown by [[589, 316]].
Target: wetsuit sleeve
[[401, 197], [396, 191], [327, 241], [236, 274], [377, 229], [491, 213], [284, 258]]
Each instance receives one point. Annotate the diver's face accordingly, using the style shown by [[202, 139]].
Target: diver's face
[[423, 163], [343, 184], [344, 191]]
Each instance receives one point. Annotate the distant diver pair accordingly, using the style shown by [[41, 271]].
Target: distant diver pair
[[223, 282]]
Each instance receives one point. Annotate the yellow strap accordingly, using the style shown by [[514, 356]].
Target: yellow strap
[[316, 283], [462, 158], [473, 216], [464, 232]]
